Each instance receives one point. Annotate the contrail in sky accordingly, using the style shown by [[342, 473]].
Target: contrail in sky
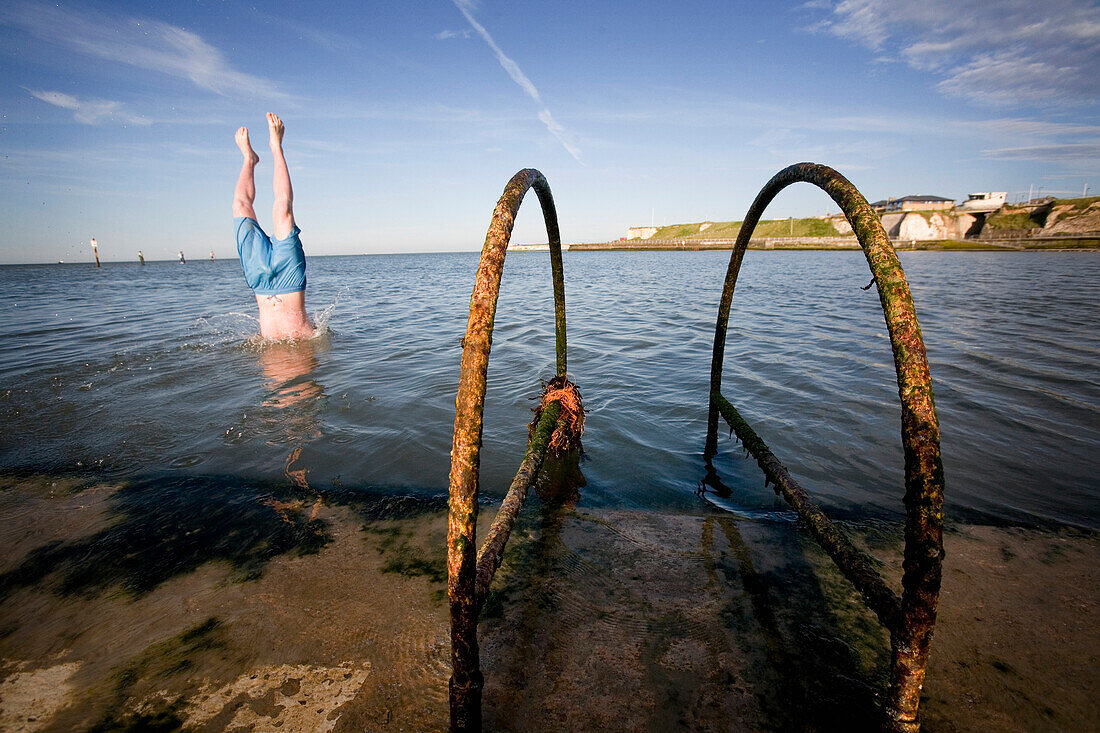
[[464, 6]]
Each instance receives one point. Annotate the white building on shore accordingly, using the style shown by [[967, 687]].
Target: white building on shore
[[983, 202]]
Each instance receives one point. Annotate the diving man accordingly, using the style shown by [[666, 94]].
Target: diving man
[[275, 269]]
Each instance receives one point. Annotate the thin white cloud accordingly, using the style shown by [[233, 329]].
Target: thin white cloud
[[1004, 53], [827, 134], [1036, 128], [1007, 78], [150, 45], [510, 66], [713, 112], [90, 111], [444, 35], [1074, 152], [110, 164]]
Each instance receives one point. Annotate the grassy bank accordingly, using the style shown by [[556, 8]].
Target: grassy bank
[[811, 227]]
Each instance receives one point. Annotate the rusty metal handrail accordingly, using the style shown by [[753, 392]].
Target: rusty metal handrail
[[911, 618], [469, 573]]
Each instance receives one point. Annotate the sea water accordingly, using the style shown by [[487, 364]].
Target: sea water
[[207, 530], [132, 370]]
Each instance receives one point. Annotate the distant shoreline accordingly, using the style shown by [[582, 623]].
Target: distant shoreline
[[831, 244], [1062, 244]]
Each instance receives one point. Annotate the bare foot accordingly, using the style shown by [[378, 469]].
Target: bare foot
[[275, 127], [246, 147]]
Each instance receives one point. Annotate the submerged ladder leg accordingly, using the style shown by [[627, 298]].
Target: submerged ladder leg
[[912, 617], [468, 572]]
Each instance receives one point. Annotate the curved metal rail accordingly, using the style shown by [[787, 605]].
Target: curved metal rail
[[911, 618], [470, 572]]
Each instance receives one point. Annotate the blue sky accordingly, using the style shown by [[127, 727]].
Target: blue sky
[[405, 120]]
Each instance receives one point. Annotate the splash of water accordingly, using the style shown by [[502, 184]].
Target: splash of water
[[225, 329], [323, 316], [235, 328]]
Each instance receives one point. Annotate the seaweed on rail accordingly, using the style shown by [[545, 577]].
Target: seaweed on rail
[[570, 426]]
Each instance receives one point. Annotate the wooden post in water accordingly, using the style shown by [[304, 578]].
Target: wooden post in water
[[95, 248]]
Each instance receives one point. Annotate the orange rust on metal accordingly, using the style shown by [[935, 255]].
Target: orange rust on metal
[[466, 679], [912, 636]]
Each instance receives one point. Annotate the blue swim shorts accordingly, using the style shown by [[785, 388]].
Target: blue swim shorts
[[270, 267]]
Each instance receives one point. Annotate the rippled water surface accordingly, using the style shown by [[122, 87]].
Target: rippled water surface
[[131, 371], [207, 532]]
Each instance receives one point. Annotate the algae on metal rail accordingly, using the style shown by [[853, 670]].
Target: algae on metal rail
[[912, 625]]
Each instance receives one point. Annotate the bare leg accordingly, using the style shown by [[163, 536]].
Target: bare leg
[[283, 209], [245, 193], [282, 316]]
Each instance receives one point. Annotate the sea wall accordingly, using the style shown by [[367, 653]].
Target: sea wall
[[839, 242]]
